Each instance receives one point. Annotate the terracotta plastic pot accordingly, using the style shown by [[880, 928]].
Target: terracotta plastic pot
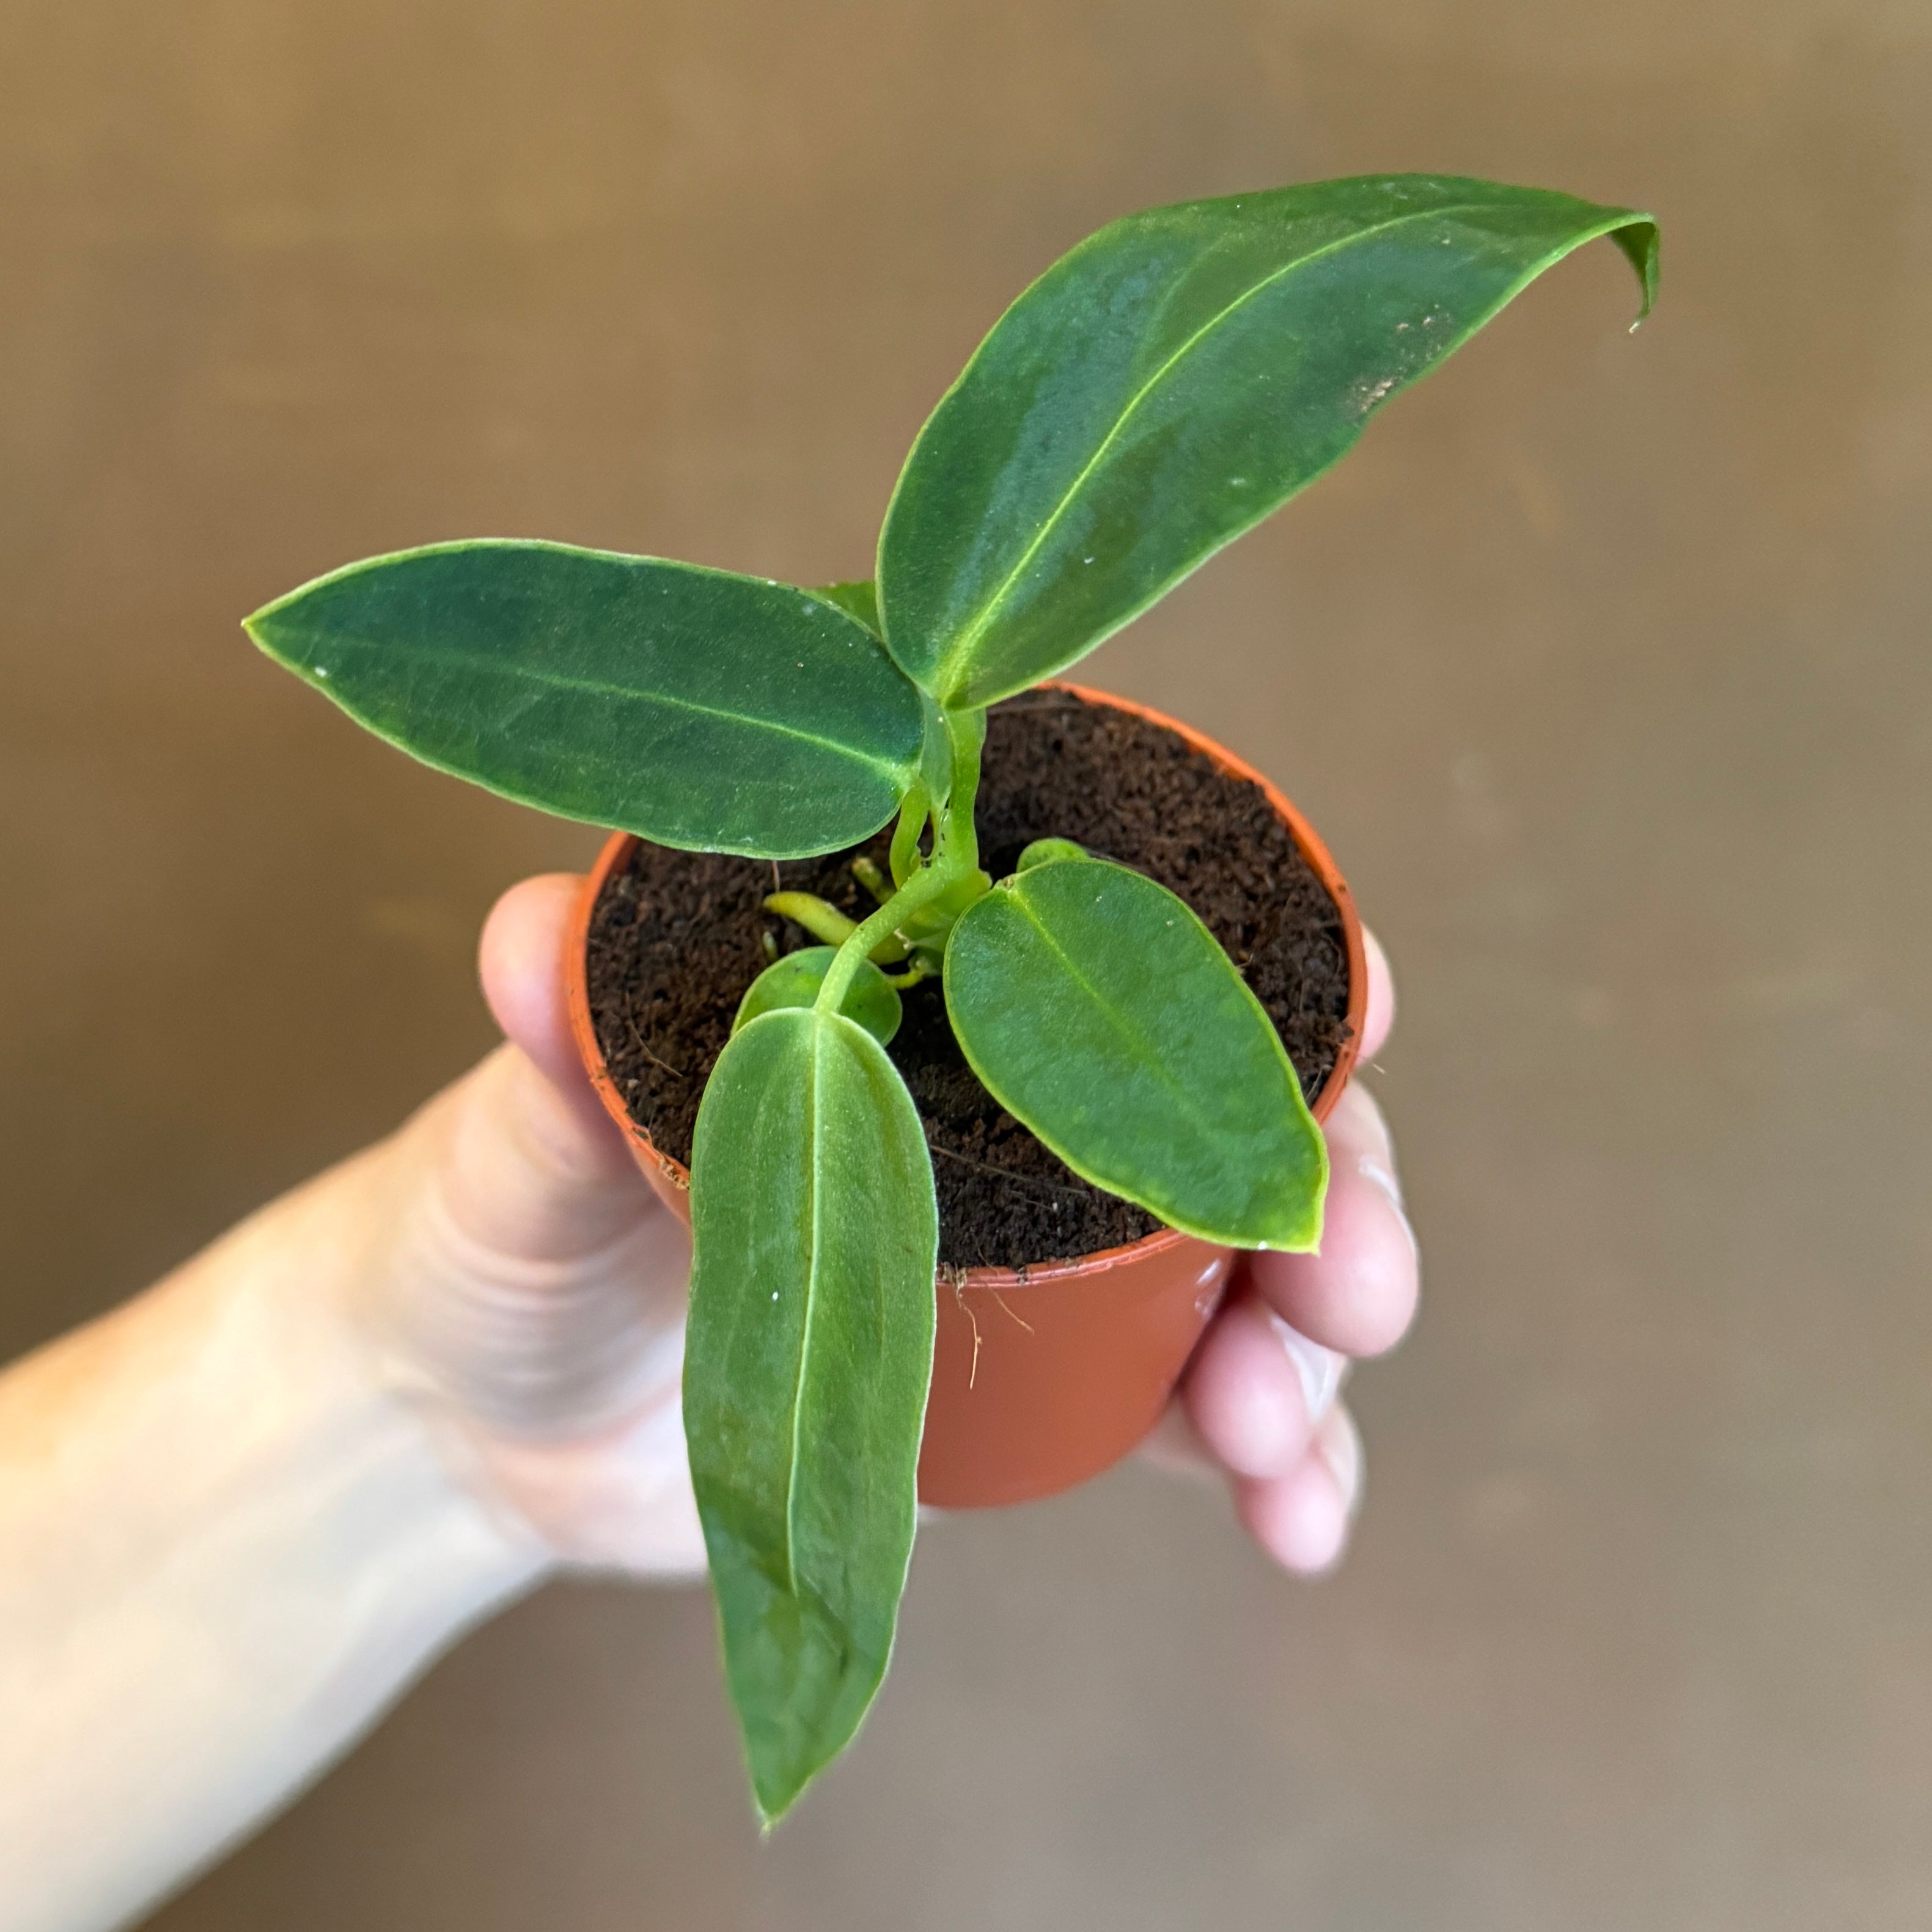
[[1041, 1377]]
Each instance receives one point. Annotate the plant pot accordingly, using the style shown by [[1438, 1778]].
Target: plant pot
[[1042, 1377]]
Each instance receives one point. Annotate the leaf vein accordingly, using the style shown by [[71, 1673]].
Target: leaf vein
[[984, 615], [1124, 1026], [814, 1181], [598, 688]]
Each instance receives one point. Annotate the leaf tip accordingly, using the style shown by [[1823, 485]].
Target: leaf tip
[[773, 1797], [259, 628], [1641, 241]]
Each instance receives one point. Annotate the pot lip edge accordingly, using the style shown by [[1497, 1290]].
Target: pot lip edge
[[1163, 1241]]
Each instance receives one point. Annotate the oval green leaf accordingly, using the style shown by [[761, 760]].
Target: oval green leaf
[[696, 708], [1044, 851], [1170, 382], [1099, 1011], [816, 1240], [872, 1000]]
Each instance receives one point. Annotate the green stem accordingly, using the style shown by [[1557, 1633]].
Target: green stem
[[823, 922], [873, 880], [960, 836], [913, 815], [928, 882], [956, 852]]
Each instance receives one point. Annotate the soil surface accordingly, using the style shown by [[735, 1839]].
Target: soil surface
[[677, 936]]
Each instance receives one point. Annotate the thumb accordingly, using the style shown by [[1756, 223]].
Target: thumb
[[535, 1274], [530, 1164], [520, 962]]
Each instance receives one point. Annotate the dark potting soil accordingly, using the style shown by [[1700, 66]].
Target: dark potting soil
[[677, 938]]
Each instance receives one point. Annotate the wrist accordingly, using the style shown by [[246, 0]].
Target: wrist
[[233, 1545]]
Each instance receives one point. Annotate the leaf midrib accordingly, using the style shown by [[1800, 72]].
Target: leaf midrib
[[815, 1141], [984, 617], [593, 687], [1122, 1024]]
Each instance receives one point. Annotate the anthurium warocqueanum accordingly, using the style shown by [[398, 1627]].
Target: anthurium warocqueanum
[[1174, 379]]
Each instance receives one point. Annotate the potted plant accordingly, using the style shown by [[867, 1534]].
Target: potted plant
[[1157, 391]]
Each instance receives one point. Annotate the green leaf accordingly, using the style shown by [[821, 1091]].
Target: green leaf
[[1099, 1011], [1174, 379], [1044, 851], [859, 599], [807, 1361], [794, 981], [696, 708]]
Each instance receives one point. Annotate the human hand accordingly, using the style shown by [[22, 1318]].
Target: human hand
[[532, 1286], [529, 1288], [1261, 1406]]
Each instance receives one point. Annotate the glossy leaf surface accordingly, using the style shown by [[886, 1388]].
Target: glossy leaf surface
[[695, 708], [872, 1000], [1100, 1011], [859, 599], [1175, 378], [808, 1358]]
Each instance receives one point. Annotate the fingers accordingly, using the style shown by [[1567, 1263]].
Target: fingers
[[1260, 1400], [1358, 1294], [1302, 1516], [1256, 1390], [1302, 1519], [1258, 1406]]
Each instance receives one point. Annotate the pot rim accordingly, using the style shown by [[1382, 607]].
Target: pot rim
[[617, 846]]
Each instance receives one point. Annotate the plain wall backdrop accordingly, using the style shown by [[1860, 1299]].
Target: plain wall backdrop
[[1603, 664]]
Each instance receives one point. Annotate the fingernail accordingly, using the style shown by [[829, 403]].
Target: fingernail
[[1383, 1180], [1384, 1177], [1319, 1369], [1339, 1446]]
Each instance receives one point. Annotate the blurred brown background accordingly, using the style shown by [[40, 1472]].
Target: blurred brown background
[[1603, 664]]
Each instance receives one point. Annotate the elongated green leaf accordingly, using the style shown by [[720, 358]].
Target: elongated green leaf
[[807, 1362], [1175, 378], [872, 1000], [1099, 1010], [698, 709]]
